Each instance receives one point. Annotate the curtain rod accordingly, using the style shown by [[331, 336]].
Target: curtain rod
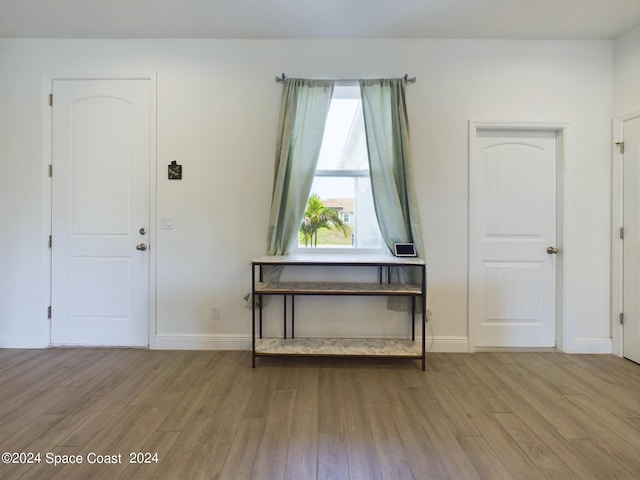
[[282, 78]]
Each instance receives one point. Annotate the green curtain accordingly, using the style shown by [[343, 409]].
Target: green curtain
[[303, 113], [394, 195]]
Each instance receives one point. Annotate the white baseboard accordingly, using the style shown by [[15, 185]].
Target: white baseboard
[[22, 341], [447, 344], [202, 342], [589, 345], [239, 342]]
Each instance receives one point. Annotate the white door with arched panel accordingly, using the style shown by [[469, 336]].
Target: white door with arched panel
[[512, 246], [100, 212]]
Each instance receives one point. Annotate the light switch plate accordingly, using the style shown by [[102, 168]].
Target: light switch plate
[[166, 223]]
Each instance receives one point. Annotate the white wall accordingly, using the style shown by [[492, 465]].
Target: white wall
[[626, 62], [217, 112]]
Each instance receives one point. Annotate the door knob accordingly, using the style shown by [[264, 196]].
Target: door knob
[[552, 250], [141, 246]]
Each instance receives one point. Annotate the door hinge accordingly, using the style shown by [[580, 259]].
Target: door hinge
[[51, 99], [49, 311], [622, 233], [50, 241], [621, 145], [621, 318], [50, 170]]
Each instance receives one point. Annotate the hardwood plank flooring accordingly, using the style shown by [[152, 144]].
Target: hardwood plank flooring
[[209, 415]]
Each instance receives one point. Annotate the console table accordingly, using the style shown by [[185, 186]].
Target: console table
[[381, 286]]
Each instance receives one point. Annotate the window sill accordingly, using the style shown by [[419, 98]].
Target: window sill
[[340, 251]]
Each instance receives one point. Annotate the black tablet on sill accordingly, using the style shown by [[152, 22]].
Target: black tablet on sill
[[404, 249]]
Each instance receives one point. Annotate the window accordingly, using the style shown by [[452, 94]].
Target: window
[[340, 212]]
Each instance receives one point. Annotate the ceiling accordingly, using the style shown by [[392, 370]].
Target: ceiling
[[312, 19]]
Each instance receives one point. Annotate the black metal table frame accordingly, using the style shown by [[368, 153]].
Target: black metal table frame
[[381, 265]]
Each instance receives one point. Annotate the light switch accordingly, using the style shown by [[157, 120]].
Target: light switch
[[166, 223]]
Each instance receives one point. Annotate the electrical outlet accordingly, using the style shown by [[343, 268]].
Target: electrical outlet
[[215, 313]]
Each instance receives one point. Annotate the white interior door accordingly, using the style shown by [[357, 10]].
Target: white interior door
[[512, 278], [100, 212], [631, 281]]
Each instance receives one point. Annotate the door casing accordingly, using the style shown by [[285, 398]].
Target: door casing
[[47, 184], [561, 129]]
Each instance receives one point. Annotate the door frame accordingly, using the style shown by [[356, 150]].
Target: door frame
[[562, 131], [48, 159], [617, 221]]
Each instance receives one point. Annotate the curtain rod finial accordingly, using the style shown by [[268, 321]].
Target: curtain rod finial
[[281, 78], [409, 80]]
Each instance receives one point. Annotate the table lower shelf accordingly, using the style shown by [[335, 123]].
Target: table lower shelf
[[360, 347]]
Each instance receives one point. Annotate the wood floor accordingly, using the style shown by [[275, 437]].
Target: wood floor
[[209, 415]]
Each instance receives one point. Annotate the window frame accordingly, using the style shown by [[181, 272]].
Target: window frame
[[343, 93]]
